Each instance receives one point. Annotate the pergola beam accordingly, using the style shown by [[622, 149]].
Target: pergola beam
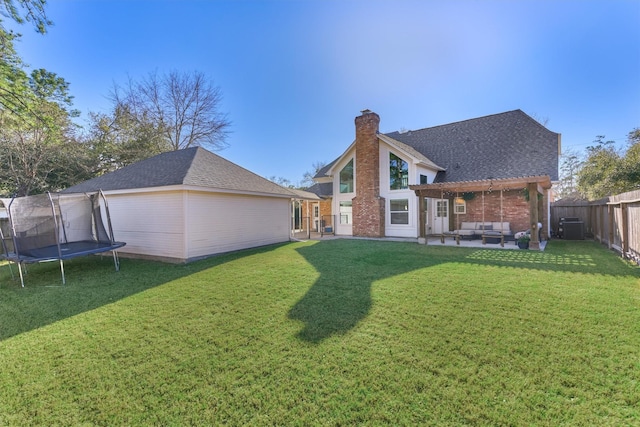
[[448, 190], [542, 182]]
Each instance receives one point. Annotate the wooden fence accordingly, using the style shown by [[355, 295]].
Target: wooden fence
[[613, 221]]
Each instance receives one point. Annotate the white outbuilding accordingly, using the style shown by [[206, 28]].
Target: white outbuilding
[[188, 204]]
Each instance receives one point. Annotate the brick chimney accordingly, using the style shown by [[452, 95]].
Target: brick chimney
[[368, 206]]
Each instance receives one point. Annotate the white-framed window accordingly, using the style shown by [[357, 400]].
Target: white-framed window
[[442, 208], [399, 209], [346, 178], [346, 216], [459, 206], [316, 211]]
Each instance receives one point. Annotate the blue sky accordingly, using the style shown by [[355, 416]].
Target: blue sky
[[295, 74]]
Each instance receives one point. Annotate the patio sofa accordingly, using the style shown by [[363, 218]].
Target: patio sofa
[[476, 229]]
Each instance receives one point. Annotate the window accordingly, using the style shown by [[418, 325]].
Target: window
[[459, 206], [346, 178], [316, 211], [345, 213], [424, 179], [398, 173], [442, 208], [399, 209]]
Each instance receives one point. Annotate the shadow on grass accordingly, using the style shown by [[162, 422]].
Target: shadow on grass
[[341, 296], [92, 282]]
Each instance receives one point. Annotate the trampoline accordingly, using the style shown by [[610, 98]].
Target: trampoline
[[56, 227]]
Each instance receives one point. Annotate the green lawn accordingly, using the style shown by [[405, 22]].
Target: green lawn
[[342, 332]]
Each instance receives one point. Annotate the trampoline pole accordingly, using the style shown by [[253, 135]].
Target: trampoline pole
[[21, 277], [11, 270], [64, 282], [116, 262]]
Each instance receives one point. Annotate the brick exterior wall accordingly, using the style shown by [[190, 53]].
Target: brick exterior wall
[[368, 206], [515, 210], [324, 211]]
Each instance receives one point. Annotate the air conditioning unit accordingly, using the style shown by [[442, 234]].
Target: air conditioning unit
[[561, 227], [574, 230]]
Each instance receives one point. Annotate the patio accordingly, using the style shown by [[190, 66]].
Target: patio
[[431, 241], [476, 243]]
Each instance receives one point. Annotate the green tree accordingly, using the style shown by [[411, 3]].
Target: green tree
[[629, 172], [13, 79], [38, 151], [22, 11], [117, 140], [599, 176], [38, 147]]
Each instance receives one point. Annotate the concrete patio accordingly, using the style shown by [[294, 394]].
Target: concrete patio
[[431, 241], [476, 243]]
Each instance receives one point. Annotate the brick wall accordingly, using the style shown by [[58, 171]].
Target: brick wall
[[515, 210], [368, 206]]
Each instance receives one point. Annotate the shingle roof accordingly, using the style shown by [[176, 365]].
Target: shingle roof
[[303, 194], [505, 145], [323, 190], [323, 172], [192, 166]]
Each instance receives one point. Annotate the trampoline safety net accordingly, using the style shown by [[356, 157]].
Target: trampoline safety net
[[48, 227]]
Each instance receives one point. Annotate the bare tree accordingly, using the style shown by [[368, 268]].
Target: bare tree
[[307, 178], [183, 107]]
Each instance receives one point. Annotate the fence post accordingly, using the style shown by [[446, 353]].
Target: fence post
[[612, 212], [624, 232]]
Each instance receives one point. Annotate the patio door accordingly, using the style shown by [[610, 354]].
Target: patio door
[[441, 216]]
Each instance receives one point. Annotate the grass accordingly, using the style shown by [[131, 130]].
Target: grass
[[339, 332]]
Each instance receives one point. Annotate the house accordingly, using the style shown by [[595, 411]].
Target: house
[[187, 204], [428, 181]]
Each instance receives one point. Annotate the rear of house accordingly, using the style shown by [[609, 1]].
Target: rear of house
[[411, 183]]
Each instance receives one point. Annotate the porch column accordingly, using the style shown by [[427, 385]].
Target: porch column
[[422, 218], [533, 216]]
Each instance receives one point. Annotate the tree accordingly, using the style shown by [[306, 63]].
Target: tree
[[598, 176], [183, 108], [27, 11], [569, 167], [607, 172], [630, 170], [13, 79], [38, 151], [281, 181], [307, 178], [116, 140]]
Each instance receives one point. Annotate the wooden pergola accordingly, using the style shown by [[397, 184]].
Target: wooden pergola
[[450, 190]]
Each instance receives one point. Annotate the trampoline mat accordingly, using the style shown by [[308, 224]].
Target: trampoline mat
[[68, 250]]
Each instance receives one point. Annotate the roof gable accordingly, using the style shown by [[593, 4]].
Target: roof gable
[[191, 166], [419, 157]]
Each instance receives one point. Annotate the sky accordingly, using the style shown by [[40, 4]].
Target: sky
[[295, 73]]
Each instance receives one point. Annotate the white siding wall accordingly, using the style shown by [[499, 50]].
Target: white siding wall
[[224, 222], [150, 223], [401, 230], [343, 229], [398, 230]]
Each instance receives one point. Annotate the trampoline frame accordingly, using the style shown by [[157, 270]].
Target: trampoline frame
[[62, 249]]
